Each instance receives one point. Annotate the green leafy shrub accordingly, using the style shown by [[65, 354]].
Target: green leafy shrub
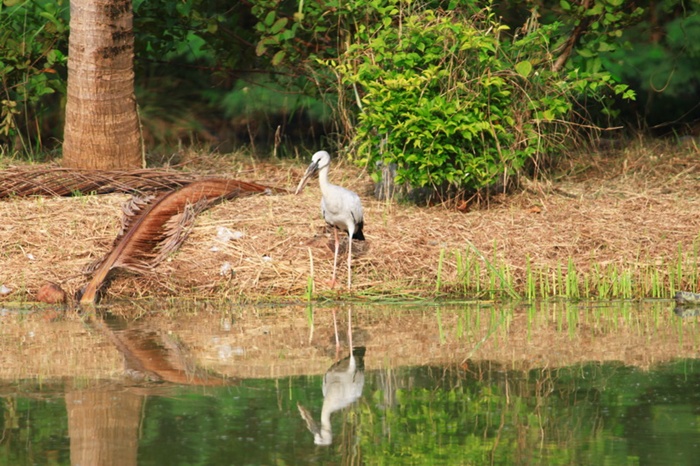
[[456, 104], [33, 47]]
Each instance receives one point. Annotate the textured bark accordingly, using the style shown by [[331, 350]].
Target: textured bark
[[102, 129]]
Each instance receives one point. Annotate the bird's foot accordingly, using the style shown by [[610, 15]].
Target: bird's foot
[[330, 283]]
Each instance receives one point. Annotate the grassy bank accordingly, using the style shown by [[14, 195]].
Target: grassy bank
[[622, 224]]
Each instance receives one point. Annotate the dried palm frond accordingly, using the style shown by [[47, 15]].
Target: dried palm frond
[[155, 226], [57, 181]]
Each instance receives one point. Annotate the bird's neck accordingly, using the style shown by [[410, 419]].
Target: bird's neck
[[323, 179], [326, 418], [325, 434]]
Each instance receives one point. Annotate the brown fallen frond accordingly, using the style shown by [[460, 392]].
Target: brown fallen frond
[[155, 226], [57, 181]]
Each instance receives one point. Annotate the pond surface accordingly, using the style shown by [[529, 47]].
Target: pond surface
[[428, 384]]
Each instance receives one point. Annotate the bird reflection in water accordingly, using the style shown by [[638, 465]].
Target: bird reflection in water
[[342, 386]]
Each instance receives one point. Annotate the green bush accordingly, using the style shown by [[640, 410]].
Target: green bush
[[455, 103]]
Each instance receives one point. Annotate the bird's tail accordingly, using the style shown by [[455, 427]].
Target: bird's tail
[[359, 353], [358, 232]]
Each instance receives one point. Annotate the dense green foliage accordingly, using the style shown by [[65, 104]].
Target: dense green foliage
[[451, 96], [457, 93], [33, 47], [659, 56], [452, 103]]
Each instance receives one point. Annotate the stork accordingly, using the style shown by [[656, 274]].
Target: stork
[[340, 207]]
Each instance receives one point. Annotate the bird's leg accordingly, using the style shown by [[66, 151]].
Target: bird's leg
[[350, 329], [335, 257], [337, 341], [349, 261]]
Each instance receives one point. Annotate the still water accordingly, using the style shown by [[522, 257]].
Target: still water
[[427, 384]]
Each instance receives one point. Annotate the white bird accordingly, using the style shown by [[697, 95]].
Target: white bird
[[340, 207], [342, 386]]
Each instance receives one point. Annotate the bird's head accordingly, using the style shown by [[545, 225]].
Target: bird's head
[[322, 434], [319, 161]]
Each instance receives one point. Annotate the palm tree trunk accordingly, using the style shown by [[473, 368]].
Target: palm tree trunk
[[102, 128]]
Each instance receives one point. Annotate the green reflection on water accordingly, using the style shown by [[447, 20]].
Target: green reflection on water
[[476, 414]]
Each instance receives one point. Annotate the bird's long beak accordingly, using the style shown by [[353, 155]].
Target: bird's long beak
[[307, 176], [310, 423]]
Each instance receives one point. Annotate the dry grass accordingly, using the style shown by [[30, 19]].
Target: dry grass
[[633, 207]]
